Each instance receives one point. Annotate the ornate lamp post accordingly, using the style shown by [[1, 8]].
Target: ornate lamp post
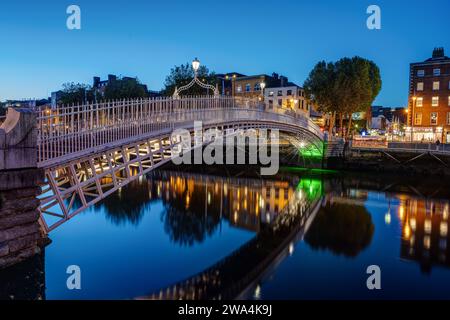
[[195, 67]]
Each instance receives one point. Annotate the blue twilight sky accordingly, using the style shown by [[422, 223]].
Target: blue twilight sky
[[146, 38]]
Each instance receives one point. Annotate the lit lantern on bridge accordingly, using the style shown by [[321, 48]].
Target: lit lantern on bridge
[[195, 65]]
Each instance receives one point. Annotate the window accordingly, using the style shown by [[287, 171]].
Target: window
[[257, 86], [239, 89], [420, 73], [289, 92], [436, 72], [419, 102], [418, 118], [436, 85], [247, 87], [419, 86], [270, 104], [280, 93], [433, 118], [271, 94], [448, 118], [280, 102], [435, 102], [448, 101], [288, 103]]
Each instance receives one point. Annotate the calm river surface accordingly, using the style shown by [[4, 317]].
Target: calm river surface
[[171, 225]]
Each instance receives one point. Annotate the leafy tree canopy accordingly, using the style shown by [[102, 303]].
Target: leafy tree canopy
[[76, 93], [346, 86], [183, 74], [127, 88]]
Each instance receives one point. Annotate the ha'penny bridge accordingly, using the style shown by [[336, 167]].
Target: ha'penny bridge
[[90, 151]]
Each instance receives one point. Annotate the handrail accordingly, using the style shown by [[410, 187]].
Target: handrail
[[77, 129]]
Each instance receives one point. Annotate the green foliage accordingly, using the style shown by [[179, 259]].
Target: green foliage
[[347, 86], [76, 93], [2, 110], [125, 89], [183, 75]]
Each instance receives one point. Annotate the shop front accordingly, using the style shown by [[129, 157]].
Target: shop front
[[424, 134]]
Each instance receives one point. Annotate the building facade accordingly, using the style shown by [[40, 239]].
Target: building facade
[[226, 80], [289, 99], [250, 86], [429, 99]]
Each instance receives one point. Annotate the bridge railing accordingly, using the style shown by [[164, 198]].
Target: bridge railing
[[80, 129], [412, 147]]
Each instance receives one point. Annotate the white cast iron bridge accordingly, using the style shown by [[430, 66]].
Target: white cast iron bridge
[[90, 151]]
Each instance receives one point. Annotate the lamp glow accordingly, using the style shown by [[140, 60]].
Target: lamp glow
[[195, 65]]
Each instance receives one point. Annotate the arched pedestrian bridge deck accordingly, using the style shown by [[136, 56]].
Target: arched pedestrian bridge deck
[[90, 151]]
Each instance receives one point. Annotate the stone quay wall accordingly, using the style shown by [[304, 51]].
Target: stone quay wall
[[21, 236]]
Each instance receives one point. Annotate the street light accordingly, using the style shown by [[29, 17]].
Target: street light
[[262, 85], [195, 65]]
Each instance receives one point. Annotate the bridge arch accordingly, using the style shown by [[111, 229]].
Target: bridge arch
[[90, 151]]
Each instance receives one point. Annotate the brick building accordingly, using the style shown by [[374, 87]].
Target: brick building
[[429, 99], [250, 86]]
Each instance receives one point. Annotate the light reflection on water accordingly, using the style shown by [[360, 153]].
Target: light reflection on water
[[170, 226]]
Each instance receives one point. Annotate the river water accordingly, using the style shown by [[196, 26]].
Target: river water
[[173, 224]]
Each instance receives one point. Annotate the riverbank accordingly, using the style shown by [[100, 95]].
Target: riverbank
[[402, 163]]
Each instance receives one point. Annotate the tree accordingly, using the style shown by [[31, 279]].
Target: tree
[[183, 75], [350, 85], [320, 89], [126, 88], [76, 93]]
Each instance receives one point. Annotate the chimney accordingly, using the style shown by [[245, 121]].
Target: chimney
[[283, 81], [275, 76], [111, 78], [96, 82], [438, 53]]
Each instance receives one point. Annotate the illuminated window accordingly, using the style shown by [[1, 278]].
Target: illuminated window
[[436, 85], [448, 118], [418, 118], [436, 72], [435, 102], [427, 242], [239, 89], [419, 102], [412, 223], [433, 118], [271, 93], [443, 229], [419, 86], [427, 226], [420, 73], [449, 100]]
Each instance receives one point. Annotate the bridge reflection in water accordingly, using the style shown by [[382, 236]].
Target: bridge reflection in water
[[279, 211], [276, 210]]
